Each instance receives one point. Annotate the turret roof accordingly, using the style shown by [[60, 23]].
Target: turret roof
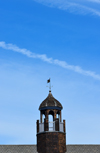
[[50, 101]]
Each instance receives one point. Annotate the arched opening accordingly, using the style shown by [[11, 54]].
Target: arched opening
[[51, 120], [57, 116], [51, 116], [43, 117]]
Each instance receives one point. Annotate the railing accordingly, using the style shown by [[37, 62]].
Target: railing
[[51, 126], [61, 127], [41, 127]]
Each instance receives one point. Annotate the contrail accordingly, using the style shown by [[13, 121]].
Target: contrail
[[44, 57], [74, 6]]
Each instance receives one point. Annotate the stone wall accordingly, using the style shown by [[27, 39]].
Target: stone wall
[[51, 142]]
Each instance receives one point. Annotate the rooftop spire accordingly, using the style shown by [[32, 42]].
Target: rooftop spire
[[49, 81]]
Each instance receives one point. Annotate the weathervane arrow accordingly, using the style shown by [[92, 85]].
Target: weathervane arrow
[[49, 81]]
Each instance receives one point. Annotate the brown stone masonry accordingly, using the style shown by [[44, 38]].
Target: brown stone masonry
[[51, 142]]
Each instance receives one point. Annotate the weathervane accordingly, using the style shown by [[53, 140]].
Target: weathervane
[[49, 81]]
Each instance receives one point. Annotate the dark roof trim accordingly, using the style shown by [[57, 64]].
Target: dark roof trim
[[50, 107]]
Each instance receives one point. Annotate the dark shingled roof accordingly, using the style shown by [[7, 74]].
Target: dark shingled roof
[[50, 101], [18, 149], [33, 149]]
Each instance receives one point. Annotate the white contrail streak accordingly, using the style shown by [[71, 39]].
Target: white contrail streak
[[75, 6], [44, 57]]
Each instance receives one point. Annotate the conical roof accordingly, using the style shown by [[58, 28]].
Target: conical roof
[[50, 101]]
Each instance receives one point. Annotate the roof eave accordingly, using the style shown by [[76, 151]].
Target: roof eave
[[51, 107]]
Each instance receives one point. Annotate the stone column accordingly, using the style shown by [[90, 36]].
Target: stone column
[[45, 125], [46, 114], [64, 126], [60, 117], [55, 114], [40, 116], [56, 124], [37, 126]]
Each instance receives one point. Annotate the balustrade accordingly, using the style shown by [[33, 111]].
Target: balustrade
[[51, 126]]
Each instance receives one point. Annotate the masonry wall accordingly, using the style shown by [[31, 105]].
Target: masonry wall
[[51, 142]]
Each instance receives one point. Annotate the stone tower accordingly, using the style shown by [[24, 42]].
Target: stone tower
[[51, 136]]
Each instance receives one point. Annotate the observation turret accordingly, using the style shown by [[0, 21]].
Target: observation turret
[[51, 135]]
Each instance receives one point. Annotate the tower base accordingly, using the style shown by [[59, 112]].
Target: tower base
[[51, 142]]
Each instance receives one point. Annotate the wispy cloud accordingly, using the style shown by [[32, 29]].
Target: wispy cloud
[[95, 1], [76, 6], [44, 57]]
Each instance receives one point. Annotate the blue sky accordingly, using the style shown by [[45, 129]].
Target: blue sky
[[59, 39]]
